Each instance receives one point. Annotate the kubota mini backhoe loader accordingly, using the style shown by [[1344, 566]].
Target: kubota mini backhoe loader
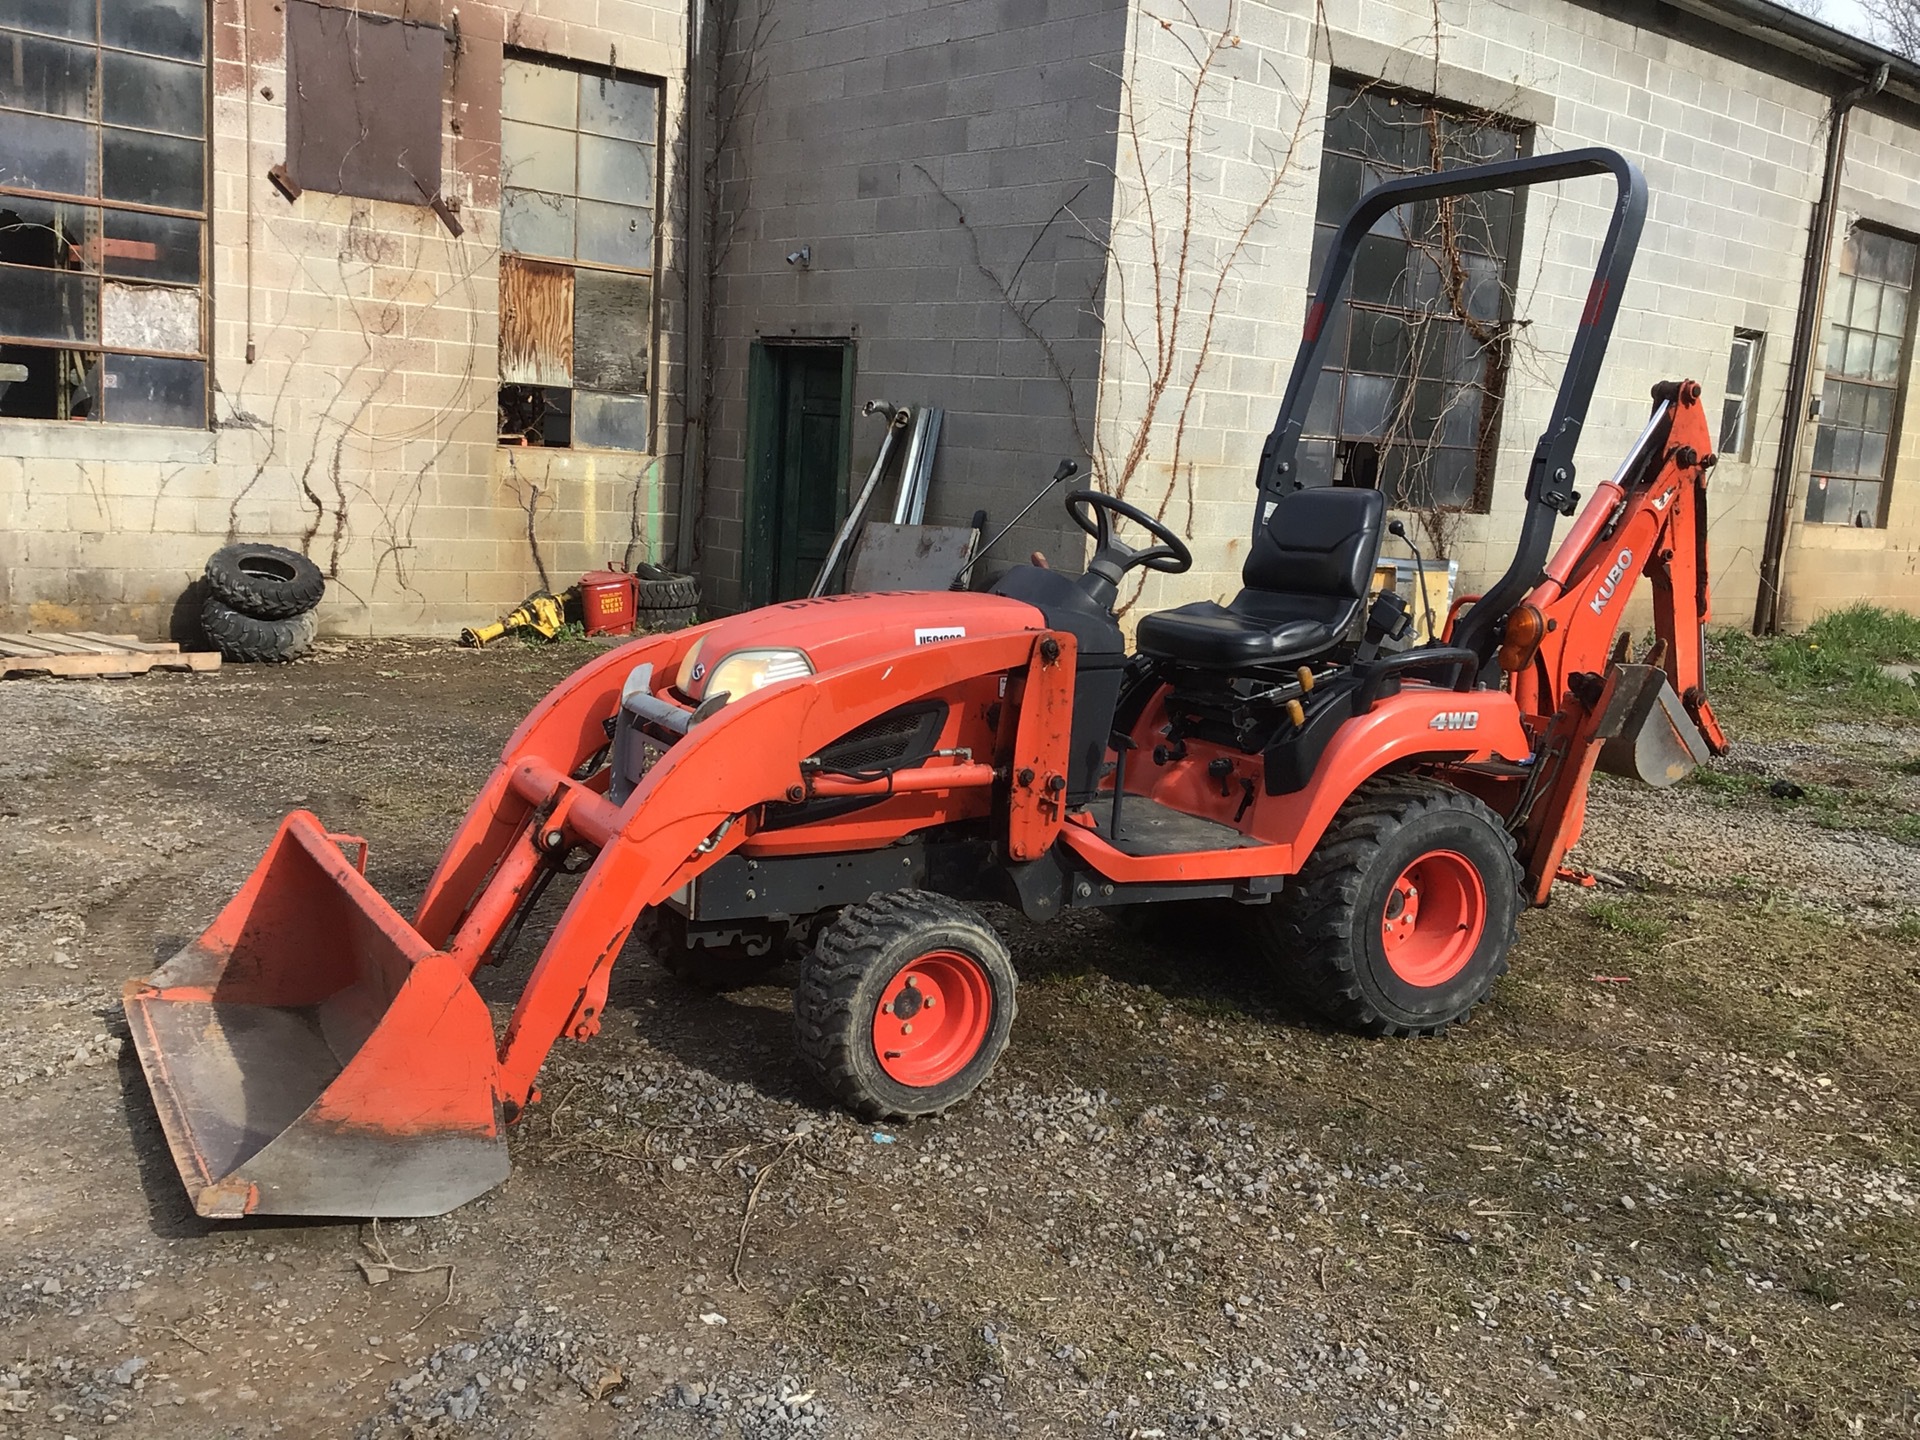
[[852, 774]]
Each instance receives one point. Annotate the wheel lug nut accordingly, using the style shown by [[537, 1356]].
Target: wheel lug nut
[[929, 1002], [913, 982], [907, 1029], [887, 1009]]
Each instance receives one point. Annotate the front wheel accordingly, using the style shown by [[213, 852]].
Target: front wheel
[[904, 1005], [1401, 919]]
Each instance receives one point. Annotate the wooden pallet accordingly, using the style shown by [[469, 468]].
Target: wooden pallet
[[84, 653]]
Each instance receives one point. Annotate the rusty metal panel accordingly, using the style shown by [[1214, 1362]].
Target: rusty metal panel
[[363, 103], [536, 322]]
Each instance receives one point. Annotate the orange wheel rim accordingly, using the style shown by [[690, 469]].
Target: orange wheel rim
[[933, 1018], [1434, 916]]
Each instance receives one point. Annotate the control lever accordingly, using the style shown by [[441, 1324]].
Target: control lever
[[1399, 532]]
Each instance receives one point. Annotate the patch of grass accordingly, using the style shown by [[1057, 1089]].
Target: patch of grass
[[1833, 669], [1620, 918]]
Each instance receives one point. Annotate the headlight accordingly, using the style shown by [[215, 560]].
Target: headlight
[[746, 671]]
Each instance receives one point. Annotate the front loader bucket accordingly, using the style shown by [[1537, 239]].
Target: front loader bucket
[[310, 1054], [1648, 735]]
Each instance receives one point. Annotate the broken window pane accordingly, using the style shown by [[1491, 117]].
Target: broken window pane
[[143, 390], [42, 232], [615, 235], [536, 157], [153, 94], [612, 331], [42, 154], [45, 304], [150, 317], [536, 224], [175, 28], [60, 384], [538, 94], [609, 422], [153, 169], [616, 170], [610, 106], [46, 75], [152, 247]]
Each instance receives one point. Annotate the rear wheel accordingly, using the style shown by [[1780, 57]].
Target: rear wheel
[[904, 1004], [1402, 918]]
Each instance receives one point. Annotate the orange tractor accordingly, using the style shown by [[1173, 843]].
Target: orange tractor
[[849, 776]]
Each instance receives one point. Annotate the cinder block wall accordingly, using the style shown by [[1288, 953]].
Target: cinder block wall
[[868, 111], [363, 430], [1731, 145]]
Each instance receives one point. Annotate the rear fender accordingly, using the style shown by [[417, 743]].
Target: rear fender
[[694, 807], [1421, 723]]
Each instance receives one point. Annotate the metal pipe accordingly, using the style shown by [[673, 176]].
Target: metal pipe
[[905, 782], [896, 422], [920, 479], [910, 466], [1806, 324], [693, 425]]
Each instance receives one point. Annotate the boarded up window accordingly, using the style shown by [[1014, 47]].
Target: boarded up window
[[363, 108], [579, 175], [536, 323]]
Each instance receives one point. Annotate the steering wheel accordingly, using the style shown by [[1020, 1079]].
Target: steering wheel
[[1091, 510]]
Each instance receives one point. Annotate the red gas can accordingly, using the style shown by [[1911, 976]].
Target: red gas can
[[609, 602]]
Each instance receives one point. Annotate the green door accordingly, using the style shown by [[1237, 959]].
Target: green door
[[798, 424]]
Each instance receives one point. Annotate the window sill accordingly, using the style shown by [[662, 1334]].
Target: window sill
[[93, 440]]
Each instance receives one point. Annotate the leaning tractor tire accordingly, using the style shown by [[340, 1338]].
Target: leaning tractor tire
[[267, 582], [904, 1005], [251, 641], [1402, 918]]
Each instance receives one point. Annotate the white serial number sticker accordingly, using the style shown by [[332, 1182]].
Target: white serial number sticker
[[934, 634]]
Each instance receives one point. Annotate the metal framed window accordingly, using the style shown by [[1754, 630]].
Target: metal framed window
[[1869, 334], [103, 210], [1743, 383], [579, 197], [1411, 402]]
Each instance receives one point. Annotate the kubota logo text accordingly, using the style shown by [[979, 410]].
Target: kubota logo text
[[1455, 720], [1605, 593]]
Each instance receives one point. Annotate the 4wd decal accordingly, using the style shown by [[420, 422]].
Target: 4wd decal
[[1455, 720], [1607, 586], [933, 634]]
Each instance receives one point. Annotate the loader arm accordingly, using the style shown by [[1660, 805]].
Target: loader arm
[[1578, 687]]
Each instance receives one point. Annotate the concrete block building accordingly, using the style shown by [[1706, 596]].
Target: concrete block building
[[459, 299]]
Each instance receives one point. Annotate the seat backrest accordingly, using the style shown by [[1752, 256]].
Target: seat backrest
[[1323, 541]]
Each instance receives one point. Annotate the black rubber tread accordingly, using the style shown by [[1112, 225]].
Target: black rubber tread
[[714, 969], [659, 621], [254, 641], [234, 574], [844, 977], [1322, 932], [664, 590]]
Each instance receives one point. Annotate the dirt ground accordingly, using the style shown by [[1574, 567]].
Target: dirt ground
[[1664, 1185]]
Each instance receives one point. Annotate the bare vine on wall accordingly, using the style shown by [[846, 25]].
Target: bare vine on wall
[[1150, 383]]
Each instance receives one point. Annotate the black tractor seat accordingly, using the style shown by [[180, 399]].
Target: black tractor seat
[[1306, 580]]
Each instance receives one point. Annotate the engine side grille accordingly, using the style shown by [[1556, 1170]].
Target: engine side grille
[[900, 737]]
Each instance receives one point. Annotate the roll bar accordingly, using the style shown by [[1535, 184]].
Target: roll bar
[[1550, 477]]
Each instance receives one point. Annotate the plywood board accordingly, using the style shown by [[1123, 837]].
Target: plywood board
[[536, 323]]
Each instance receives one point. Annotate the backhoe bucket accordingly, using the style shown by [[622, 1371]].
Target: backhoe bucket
[[310, 1054], [1648, 735]]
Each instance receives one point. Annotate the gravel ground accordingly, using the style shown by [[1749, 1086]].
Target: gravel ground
[[1663, 1184]]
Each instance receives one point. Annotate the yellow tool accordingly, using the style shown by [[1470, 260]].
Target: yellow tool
[[540, 612]]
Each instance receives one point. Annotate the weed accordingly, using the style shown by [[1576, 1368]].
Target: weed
[[1622, 919], [1834, 667]]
